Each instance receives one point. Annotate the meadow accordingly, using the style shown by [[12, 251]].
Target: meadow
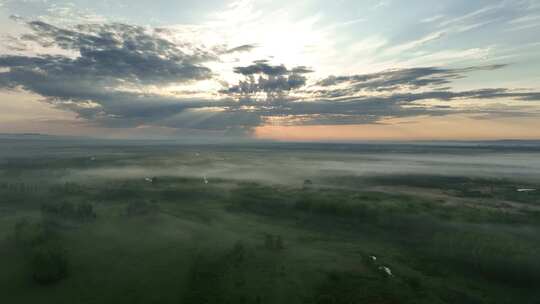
[[137, 223]]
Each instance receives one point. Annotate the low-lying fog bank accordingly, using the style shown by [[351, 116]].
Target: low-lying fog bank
[[278, 163], [292, 167]]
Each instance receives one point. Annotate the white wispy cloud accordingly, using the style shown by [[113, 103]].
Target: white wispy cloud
[[449, 57], [381, 4], [351, 22], [524, 22], [472, 16], [432, 19], [414, 44], [368, 45]]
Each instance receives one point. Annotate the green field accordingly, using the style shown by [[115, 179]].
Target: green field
[[85, 229]]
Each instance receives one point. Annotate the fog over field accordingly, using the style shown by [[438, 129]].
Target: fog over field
[[294, 167], [264, 221], [265, 164], [270, 152], [284, 163]]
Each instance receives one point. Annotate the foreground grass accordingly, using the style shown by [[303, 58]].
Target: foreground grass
[[179, 240]]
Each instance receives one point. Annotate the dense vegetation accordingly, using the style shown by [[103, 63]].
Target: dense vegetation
[[340, 239]]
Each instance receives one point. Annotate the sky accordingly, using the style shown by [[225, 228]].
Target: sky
[[310, 70]]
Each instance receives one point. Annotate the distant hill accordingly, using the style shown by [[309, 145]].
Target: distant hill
[[331, 145], [39, 136]]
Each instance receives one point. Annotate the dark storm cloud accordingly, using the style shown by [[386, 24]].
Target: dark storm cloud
[[412, 78]]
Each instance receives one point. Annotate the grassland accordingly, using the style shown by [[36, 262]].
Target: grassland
[[70, 233]]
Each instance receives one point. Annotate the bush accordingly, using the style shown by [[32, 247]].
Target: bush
[[238, 254], [63, 209], [38, 244], [69, 211], [273, 242], [85, 212], [30, 234], [353, 287], [136, 208], [49, 263]]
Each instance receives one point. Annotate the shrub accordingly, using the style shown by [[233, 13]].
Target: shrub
[[30, 234], [47, 259], [85, 212], [238, 254], [353, 287], [273, 242], [62, 209], [137, 208], [49, 263], [69, 211]]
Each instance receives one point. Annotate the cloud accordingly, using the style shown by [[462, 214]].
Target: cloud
[[381, 4], [368, 98], [273, 80], [241, 48], [524, 22], [414, 44], [432, 19], [472, 16], [105, 70], [261, 67], [412, 78], [477, 18], [118, 52], [372, 109], [101, 79]]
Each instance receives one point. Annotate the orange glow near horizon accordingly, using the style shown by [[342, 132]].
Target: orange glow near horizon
[[452, 127]]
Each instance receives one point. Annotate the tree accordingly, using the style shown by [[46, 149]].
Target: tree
[[49, 263]]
